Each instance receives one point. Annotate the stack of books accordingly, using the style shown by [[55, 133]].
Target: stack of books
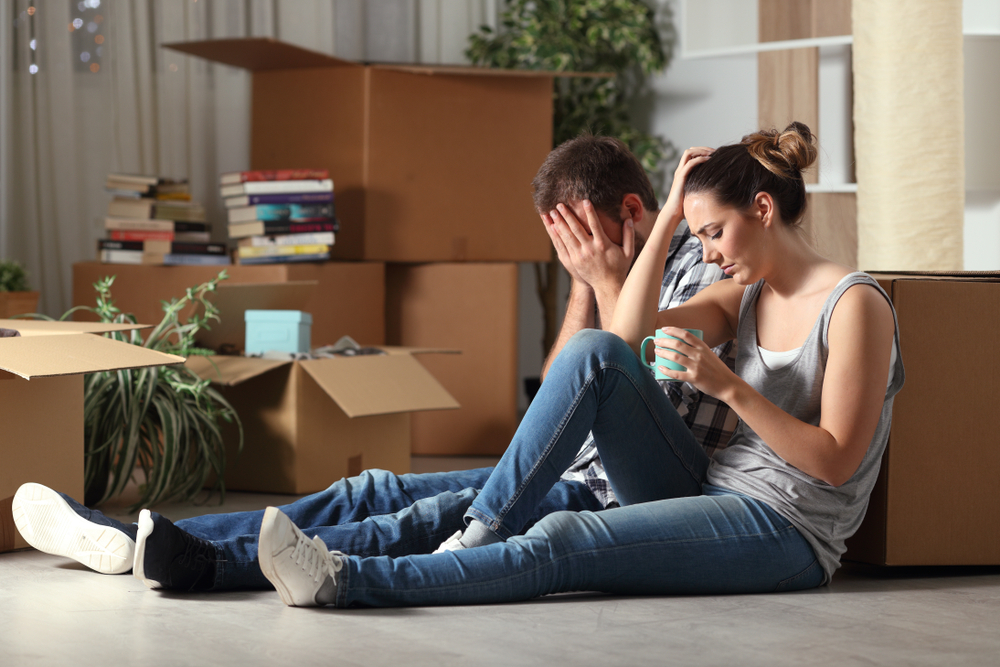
[[283, 215], [152, 220]]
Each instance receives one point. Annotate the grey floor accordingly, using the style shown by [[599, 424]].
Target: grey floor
[[56, 612]]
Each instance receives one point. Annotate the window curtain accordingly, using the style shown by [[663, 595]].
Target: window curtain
[[85, 89]]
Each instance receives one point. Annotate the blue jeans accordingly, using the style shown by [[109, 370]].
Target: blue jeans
[[674, 534], [377, 513]]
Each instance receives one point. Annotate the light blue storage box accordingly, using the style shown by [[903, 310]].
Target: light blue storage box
[[277, 330]]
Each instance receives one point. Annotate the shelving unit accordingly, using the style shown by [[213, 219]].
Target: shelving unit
[[804, 73]]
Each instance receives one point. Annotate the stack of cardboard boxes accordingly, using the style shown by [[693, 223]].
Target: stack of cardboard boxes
[[432, 167]]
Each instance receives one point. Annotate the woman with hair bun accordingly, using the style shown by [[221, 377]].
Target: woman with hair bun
[[817, 368]]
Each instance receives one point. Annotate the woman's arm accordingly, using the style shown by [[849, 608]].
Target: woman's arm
[[860, 338], [636, 311]]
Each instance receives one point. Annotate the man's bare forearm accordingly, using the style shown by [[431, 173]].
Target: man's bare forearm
[[579, 316]]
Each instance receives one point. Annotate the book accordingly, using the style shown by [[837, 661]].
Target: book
[[187, 259], [274, 187], [147, 207], [129, 257], [318, 238], [232, 177], [137, 179], [130, 185], [289, 212], [193, 237], [280, 198], [140, 235], [155, 224], [260, 228], [281, 259], [164, 247], [275, 250]]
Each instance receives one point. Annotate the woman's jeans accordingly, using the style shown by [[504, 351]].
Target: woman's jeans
[[376, 513], [673, 534]]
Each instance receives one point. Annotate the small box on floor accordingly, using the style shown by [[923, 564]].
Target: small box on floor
[[277, 331]]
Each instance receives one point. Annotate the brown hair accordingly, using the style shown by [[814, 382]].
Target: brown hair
[[601, 169], [767, 161]]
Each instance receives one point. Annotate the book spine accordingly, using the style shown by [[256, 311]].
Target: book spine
[[285, 259], [283, 175], [282, 212], [260, 251], [274, 187], [189, 226], [140, 225], [285, 198], [111, 244], [272, 228], [140, 235], [317, 238], [187, 259], [120, 256], [182, 248]]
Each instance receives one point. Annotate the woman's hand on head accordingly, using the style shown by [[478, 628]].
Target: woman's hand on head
[[673, 210], [705, 370]]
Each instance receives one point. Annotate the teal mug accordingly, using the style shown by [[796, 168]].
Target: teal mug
[[658, 361]]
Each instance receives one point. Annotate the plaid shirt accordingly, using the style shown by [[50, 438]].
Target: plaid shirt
[[711, 421]]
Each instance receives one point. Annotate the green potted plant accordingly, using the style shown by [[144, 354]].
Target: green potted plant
[[625, 38], [16, 297], [164, 420]]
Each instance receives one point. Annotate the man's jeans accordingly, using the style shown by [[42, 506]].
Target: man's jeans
[[674, 534], [377, 513]]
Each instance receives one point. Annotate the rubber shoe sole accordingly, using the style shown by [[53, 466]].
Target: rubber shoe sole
[[49, 524], [145, 528]]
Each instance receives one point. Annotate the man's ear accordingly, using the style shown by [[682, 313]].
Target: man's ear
[[632, 208], [763, 207]]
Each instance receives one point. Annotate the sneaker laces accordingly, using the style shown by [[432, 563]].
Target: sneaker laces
[[315, 559], [196, 551]]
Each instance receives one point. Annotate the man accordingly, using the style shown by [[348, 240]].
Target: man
[[380, 513]]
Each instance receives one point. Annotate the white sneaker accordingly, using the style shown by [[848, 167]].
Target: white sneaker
[[451, 544], [303, 571], [49, 523]]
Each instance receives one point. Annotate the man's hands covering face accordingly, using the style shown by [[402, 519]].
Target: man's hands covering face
[[586, 252]]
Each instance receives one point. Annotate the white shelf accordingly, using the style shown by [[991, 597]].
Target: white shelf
[[831, 187], [759, 47]]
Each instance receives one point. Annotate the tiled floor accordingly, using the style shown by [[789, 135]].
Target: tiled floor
[[55, 612]]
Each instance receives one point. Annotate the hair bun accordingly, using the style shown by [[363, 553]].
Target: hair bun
[[786, 153]]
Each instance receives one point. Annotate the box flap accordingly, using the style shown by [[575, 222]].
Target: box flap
[[46, 356], [472, 70], [378, 385], [233, 300], [47, 328], [986, 276], [258, 54], [231, 371], [417, 350]]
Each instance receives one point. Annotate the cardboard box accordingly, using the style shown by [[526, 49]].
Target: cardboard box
[[429, 163], [41, 403], [282, 330], [348, 299], [306, 424], [471, 307], [937, 500]]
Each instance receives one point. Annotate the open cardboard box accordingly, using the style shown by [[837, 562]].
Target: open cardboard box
[[937, 499], [430, 163], [41, 403], [308, 423]]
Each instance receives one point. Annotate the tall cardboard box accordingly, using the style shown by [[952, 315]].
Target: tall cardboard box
[[471, 307], [429, 163], [937, 500], [348, 300], [308, 423], [41, 403]]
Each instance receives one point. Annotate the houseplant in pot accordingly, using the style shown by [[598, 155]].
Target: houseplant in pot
[[16, 297], [165, 420]]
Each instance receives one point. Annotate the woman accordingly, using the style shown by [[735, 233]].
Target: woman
[[817, 369]]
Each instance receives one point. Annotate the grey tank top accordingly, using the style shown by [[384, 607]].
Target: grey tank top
[[825, 515]]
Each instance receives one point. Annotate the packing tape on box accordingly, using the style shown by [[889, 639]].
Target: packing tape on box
[[909, 134]]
